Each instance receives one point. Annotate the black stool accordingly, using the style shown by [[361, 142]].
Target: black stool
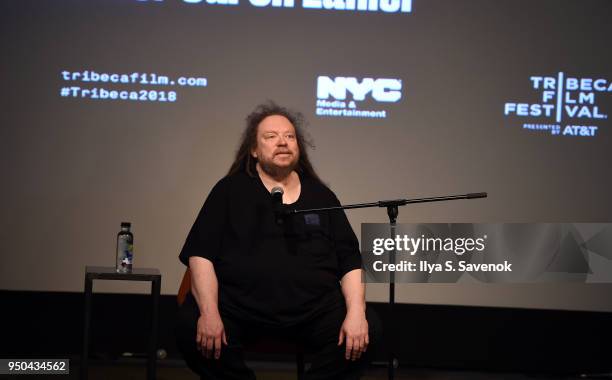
[[137, 274]]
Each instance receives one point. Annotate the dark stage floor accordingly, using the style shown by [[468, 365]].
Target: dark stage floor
[[175, 370]]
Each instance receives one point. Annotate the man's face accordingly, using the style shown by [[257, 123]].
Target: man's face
[[277, 150]]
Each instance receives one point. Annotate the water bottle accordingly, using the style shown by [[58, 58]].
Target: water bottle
[[125, 249]]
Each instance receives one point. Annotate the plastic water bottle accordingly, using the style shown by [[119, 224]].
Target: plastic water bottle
[[125, 249]]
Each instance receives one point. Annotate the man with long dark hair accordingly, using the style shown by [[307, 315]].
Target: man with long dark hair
[[255, 275]]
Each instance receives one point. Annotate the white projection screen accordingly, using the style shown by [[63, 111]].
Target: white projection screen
[[125, 110]]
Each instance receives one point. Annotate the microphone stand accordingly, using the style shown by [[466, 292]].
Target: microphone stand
[[392, 207]]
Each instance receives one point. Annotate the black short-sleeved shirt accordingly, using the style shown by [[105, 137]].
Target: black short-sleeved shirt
[[277, 275]]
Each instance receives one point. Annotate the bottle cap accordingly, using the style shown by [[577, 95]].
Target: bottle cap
[[126, 224]]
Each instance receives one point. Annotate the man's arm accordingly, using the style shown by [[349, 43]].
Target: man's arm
[[204, 287], [355, 326]]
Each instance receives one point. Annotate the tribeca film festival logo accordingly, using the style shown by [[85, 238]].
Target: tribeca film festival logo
[[569, 103], [333, 96], [386, 6]]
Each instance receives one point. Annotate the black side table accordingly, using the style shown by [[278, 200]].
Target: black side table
[[109, 273]]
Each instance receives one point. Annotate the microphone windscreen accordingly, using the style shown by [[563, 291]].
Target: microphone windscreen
[[277, 191]]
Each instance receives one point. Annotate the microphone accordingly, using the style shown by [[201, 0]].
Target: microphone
[[277, 200]]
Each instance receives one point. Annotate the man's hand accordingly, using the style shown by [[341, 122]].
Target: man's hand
[[355, 330], [210, 334]]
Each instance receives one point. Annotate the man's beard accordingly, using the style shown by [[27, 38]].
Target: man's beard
[[275, 171]]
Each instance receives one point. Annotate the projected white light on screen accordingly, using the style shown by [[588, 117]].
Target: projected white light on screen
[[90, 84], [384, 6], [333, 96], [569, 103]]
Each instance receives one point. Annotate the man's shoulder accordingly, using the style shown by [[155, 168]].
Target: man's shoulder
[[320, 189], [236, 180]]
